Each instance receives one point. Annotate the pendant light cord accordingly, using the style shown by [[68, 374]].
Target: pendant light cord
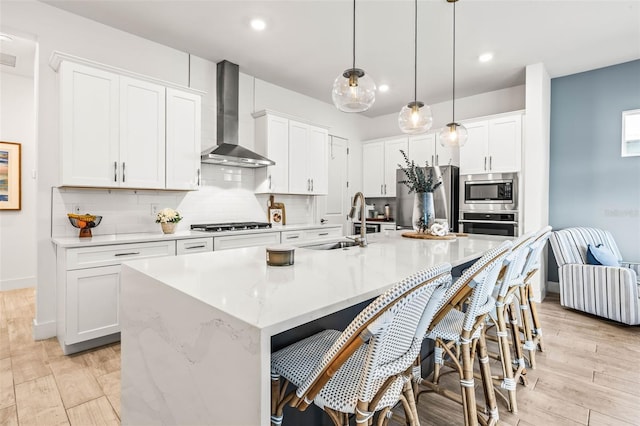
[[354, 34], [415, 53], [453, 96]]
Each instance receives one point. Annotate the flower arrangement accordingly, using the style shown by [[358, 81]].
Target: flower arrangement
[[168, 216], [416, 180]]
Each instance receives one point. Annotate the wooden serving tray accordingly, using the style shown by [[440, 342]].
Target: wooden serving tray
[[421, 236]]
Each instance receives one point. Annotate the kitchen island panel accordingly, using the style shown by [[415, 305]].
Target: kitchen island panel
[[182, 361], [238, 306]]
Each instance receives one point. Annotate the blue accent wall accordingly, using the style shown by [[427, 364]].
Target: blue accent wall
[[590, 183]]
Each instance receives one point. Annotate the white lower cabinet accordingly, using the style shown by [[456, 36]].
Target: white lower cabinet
[[93, 303], [196, 245], [88, 286], [246, 240], [387, 227], [308, 235]]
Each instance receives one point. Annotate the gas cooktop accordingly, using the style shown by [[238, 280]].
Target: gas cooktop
[[230, 226]]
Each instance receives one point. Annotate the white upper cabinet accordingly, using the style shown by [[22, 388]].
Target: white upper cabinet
[[380, 161], [426, 148], [308, 162], [123, 132], [300, 151], [184, 112], [142, 134], [393, 157], [494, 145], [272, 141], [318, 159], [505, 139], [373, 169], [89, 127]]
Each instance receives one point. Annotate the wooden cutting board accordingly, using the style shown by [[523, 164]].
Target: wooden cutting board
[[421, 236]]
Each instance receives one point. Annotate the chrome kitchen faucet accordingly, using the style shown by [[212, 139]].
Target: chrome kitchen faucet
[[362, 239]]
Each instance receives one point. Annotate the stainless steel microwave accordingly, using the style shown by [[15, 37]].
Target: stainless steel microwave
[[491, 191]]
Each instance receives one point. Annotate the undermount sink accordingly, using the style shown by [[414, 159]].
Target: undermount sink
[[334, 245]]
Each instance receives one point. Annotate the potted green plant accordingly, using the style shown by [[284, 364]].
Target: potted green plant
[[422, 184]]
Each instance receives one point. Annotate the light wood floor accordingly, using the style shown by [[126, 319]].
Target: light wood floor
[[589, 375]]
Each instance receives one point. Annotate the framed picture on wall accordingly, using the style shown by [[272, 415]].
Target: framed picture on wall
[[10, 191], [631, 133]]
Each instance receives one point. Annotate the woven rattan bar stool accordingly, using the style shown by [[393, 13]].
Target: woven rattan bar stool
[[457, 335], [509, 282], [366, 369], [531, 325]]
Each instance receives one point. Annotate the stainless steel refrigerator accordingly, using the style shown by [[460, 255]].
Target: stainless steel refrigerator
[[445, 197]]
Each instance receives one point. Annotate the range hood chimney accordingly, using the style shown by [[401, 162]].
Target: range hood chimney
[[228, 152]]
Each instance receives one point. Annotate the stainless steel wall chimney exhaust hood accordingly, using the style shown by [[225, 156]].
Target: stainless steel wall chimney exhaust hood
[[228, 152]]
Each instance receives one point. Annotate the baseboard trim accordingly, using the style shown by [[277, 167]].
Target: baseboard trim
[[553, 287], [17, 283], [43, 330]]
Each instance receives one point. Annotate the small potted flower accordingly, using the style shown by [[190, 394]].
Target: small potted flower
[[168, 219], [422, 184]]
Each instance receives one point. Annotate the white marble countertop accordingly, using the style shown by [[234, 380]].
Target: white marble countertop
[[101, 240], [274, 299]]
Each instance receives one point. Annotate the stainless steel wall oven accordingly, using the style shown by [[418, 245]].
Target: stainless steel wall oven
[[489, 204]]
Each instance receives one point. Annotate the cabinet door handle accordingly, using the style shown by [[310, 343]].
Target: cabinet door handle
[[490, 158], [124, 177], [308, 184], [437, 160], [127, 254], [115, 171], [323, 234], [198, 174], [195, 247], [385, 189], [311, 185], [292, 237], [432, 163], [381, 186], [485, 164], [269, 181]]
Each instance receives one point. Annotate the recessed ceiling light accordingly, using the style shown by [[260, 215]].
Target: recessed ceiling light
[[383, 88], [5, 37], [258, 24], [485, 57]]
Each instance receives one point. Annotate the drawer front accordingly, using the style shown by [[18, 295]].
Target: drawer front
[[387, 227], [197, 245], [317, 234], [292, 236], [246, 240], [91, 257]]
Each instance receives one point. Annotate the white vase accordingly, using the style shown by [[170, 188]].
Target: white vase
[[423, 211], [168, 227]]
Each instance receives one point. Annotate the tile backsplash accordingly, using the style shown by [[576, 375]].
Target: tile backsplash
[[226, 195]]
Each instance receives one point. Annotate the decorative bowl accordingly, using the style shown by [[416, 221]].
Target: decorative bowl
[[84, 222]]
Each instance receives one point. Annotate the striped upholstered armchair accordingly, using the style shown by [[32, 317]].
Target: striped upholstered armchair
[[607, 291]]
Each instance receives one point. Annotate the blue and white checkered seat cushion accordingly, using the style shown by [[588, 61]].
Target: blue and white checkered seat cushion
[[297, 361], [395, 323]]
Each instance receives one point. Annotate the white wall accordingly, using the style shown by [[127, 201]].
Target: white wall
[[504, 100], [17, 228], [535, 164]]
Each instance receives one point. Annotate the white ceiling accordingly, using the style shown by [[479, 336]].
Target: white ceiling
[[308, 43]]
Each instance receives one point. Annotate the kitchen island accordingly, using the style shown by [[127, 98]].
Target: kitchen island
[[197, 330]]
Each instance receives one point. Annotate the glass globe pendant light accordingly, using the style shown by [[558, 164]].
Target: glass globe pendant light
[[453, 134], [415, 117], [353, 90]]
